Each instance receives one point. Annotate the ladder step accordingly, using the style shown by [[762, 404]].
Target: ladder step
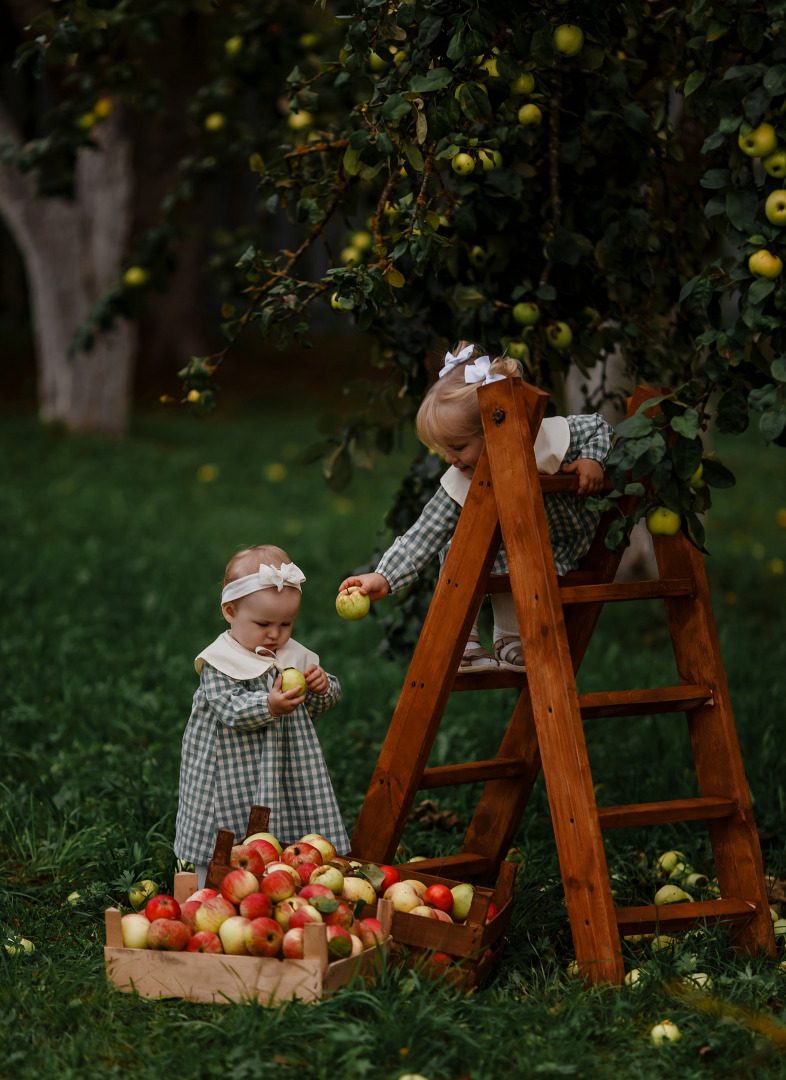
[[566, 482], [503, 679], [663, 918], [656, 589], [492, 769], [661, 699], [661, 813]]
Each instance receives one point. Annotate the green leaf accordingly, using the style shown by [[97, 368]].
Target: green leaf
[[435, 79], [636, 118], [772, 423], [396, 107], [634, 427], [693, 82], [775, 80], [778, 368], [717, 475], [414, 157], [760, 289], [715, 178], [688, 424], [741, 207]]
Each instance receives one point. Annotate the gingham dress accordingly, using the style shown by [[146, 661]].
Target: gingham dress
[[235, 755], [571, 523]]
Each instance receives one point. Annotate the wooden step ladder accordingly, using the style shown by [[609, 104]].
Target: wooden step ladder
[[557, 617]]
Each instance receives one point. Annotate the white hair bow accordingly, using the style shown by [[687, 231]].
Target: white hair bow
[[267, 577], [451, 360], [479, 372]]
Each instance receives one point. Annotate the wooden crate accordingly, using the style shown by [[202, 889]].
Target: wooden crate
[[205, 977]]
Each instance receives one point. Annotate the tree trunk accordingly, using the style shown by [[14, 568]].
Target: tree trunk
[[72, 251]]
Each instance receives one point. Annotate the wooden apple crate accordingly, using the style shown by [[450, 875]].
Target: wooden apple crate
[[206, 977]]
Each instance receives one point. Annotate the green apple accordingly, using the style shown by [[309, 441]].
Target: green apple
[[215, 121], [299, 119], [525, 313], [135, 277], [775, 207], [134, 927], [519, 350], [559, 335], [378, 63], [530, 115], [775, 164], [779, 928], [462, 164], [140, 893], [663, 522], [292, 679], [695, 479], [16, 946], [763, 263], [757, 142], [489, 159], [568, 40], [524, 84], [478, 257], [462, 901], [670, 894], [490, 66], [351, 256], [352, 604], [233, 45], [665, 1031]]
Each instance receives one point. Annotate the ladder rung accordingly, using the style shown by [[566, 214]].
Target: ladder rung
[[656, 589], [649, 918], [661, 813], [566, 482], [466, 773], [661, 699], [451, 866], [503, 679]]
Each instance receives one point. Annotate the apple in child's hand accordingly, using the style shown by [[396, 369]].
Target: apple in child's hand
[[233, 935], [238, 884], [245, 857], [255, 905], [339, 942], [264, 836], [212, 913], [462, 901], [439, 896], [323, 846], [292, 679], [205, 941], [263, 937], [170, 935], [162, 907], [278, 885], [268, 853], [352, 604], [135, 927], [293, 943]]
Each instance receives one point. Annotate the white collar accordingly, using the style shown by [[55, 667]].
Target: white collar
[[231, 658], [551, 445]]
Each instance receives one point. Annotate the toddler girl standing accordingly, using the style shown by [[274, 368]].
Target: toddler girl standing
[[449, 422], [248, 742]]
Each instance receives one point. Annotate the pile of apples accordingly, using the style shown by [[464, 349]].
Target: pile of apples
[[263, 905]]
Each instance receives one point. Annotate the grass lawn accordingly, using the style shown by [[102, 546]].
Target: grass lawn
[[112, 557]]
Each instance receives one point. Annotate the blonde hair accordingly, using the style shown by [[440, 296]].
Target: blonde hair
[[450, 411], [248, 561]]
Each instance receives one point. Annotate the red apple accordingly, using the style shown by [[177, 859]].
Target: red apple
[[245, 857], [493, 911], [266, 850], [303, 915], [264, 836], [255, 905], [295, 854], [188, 912], [391, 876], [272, 867], [439, 896], [203, 894], [284, 911], [205, 941], [168, 934], [162, 907], [371, 932], [293, 945], [263, 937], [441, 915], [315, 889], [278, 885], [343, 916], [339, 943], [238, 884], [304, 872], [233, 935], [212, 913]]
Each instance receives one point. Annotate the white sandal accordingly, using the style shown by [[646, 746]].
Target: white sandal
[[509, 653], [476, 658]]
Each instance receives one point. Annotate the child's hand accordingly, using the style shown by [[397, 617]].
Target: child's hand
[[374, 586], [589, 472], [282, 704], [316, 679]]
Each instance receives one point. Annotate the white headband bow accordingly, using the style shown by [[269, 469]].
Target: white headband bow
[[451, 360], [267, 577], [479, 372]]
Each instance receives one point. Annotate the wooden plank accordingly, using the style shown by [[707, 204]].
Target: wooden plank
[[566, 482], [185, 885], [661, 699], [501, 679], [661, 813], [551, 685], [471, 772], [716, 749], [461, 866], [664, 918], [626, 590]]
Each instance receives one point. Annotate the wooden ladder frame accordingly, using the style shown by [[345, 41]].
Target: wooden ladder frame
[[557, 618]]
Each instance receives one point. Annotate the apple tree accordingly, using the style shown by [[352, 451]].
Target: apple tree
[[565, 182]]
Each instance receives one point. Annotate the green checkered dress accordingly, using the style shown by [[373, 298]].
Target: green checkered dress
[[571, 523], [236, 755]]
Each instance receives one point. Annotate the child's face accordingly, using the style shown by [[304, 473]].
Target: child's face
[[263, 618], [464, 454]]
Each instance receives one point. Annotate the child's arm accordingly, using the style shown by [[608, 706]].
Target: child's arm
[[589, 472], [590, 444], [234, 705], [318, 701], [374, 586]]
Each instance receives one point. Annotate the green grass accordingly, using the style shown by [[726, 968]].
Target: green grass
[[112, 558]]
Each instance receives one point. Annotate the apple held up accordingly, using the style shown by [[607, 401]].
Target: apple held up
[[351, 603]]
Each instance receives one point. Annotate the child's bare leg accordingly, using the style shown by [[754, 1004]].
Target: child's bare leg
[[507, 638]]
